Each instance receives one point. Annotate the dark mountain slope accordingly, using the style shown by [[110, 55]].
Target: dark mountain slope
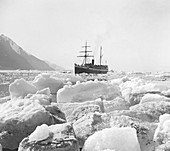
[[10, 59], [14, 57]]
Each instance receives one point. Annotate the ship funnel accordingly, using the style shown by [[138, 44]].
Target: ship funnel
[[92, 61]]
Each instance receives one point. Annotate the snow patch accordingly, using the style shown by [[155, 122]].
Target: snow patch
[[15, 47]]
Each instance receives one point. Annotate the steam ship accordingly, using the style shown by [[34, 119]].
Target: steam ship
[[90, 67]]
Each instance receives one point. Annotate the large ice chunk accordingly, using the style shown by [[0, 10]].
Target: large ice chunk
[[20, 117], [134, 89], [40, 99], [118, 139], [69, 77], [120, 80], [46, 80], [153, 97], [163, 128], [87, 91], [61, 138], [20, 88]]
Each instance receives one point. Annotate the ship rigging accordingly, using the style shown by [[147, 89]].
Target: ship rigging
[[90, 67]]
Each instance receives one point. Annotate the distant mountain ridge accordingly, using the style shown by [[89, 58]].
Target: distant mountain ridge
[[54, 66], [13, 57]]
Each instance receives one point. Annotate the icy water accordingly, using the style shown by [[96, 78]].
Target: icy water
[[7, 77]]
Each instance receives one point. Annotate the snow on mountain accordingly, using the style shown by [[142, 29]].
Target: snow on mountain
[[13, 45]]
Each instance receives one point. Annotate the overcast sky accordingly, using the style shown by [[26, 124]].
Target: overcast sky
[[135, 34]]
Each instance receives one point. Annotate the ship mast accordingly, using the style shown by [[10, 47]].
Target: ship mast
[[101, 55], [85, 52]]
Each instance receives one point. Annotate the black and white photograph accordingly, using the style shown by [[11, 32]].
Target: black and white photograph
[[84, 75]]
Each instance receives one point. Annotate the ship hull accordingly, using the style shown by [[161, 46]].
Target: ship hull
[[85, 69]]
